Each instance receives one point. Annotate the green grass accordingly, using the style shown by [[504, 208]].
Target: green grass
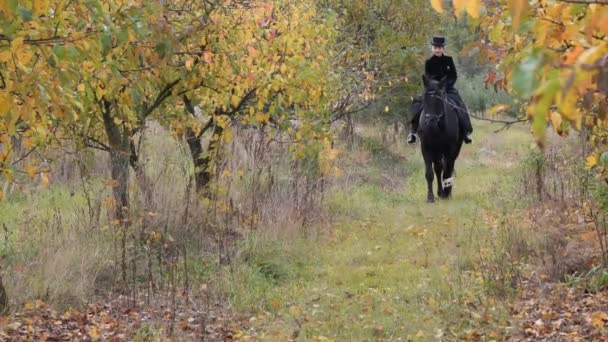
[[395, 266]]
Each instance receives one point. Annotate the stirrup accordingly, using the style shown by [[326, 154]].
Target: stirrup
[[411, 138]]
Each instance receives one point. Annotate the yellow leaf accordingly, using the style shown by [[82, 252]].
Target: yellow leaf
[[41, 6], [5, 56], [497, 109], [437, 5], [189, 63], [227, 137], [44, 179], [261, 117], [556, 121], [591, 161], [386, 109], [17, 43], [100, 90], [295, 310], [459, 6], [566, 103], [94, 333], [598, 319], [24, 55], [81, 87], [590, 55], [88, 66], [30, 170], [234, 100], [473, 7], [4, 102], [518, 10]]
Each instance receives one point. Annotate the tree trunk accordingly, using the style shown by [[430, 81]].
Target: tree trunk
[[120, 152], [202, 163], [3, 298], [202, 176], [144, 183]]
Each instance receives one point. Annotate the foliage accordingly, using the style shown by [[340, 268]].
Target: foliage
[[552, 53], [478, 97], [380, 50]]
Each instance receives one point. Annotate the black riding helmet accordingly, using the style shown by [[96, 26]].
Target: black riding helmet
[[438, 41]]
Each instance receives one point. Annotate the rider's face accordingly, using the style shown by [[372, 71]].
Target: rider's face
[[437, 50]]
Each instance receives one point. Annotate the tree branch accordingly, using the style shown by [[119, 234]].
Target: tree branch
[[587, 2], [164, 94], [241, 102], [506, 123], [25, 155], [190, 109]]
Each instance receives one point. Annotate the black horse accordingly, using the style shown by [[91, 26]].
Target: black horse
[[440, 137]]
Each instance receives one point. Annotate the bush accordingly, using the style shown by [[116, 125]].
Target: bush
[[477, 97]]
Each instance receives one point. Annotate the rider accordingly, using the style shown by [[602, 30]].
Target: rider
[[436, 67]]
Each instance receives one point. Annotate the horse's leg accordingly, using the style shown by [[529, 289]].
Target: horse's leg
[[429, 176], [438, 166], [448, 177]]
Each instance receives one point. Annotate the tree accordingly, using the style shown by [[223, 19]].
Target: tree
[[380, 50], [552, 53]]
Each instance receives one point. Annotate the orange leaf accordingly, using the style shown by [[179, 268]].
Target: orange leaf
[[473, 7], [437, 5], [490, 77], [518, 10], [459, 6], [598, 318], [94, 333], [573, 55], [556, 122]]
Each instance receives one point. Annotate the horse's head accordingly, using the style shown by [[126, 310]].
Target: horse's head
[[434, 100]]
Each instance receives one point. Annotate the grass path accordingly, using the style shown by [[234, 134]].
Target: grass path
[[394, 267]]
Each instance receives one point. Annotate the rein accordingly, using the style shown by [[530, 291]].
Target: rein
[[432, 93], [445, 101]]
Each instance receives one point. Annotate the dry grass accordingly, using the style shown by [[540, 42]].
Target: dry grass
[[59, 243]]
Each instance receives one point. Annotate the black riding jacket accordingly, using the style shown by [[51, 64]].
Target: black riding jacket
[[438, 67]]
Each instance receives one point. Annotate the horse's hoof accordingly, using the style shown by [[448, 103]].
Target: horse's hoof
[[430, 200]]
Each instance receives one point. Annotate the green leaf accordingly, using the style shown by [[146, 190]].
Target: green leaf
[[604, 158], [72, 52], [164, 48], [106, 43], [25, 13], [578, 9], [524, 74], [59, 51], [122, 36], [12, 5]]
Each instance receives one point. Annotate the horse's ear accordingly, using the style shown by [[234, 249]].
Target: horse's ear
[[425, 81]]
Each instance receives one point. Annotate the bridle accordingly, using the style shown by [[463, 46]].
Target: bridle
[[445, 101], [433, 93]]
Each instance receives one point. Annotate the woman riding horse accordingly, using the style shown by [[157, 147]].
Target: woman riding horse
[[437, 67]]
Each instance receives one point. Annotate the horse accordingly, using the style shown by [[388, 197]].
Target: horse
[[440, 137]]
